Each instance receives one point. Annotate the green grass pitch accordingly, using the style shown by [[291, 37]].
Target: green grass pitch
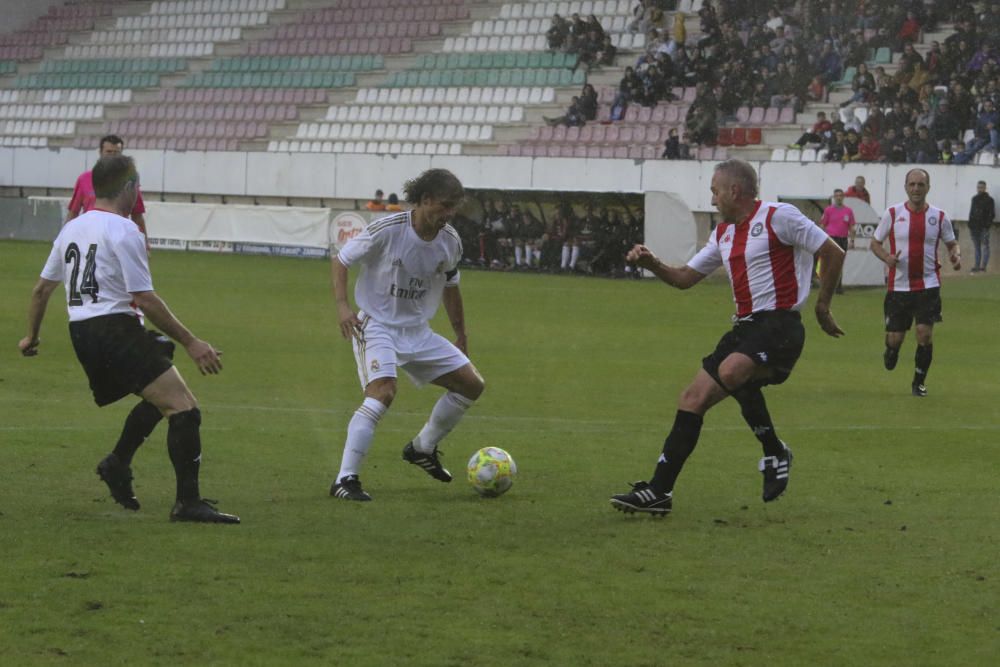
[[884, 550]]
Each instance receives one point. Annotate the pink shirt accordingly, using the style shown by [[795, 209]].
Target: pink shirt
[[837, 221], [84, 196], [768, 257]]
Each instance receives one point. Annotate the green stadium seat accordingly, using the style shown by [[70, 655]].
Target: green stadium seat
[[883, 56], [848, 77]]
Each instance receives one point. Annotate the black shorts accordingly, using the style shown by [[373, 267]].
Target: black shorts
[[119, 355], [902, 308], [773, 339]]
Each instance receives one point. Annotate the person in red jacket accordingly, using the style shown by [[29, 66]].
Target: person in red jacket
[[858, 190], [869, 150], [909, 31]]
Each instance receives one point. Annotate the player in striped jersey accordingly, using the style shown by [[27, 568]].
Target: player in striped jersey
[[409, 265], [767, 249], [914, 230]]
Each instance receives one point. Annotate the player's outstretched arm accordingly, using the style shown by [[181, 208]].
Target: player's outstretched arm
[[348, 320], [453, 305], [681, 277], [204, 355], [831, 259], [40, 294]]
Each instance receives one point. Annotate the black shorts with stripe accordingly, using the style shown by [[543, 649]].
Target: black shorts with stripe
[[119, 355], [772, 338], [903, 308]]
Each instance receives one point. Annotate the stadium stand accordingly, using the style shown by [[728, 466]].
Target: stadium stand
[[477, 76]]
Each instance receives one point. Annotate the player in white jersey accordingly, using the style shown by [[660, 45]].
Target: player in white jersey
[[767, 250], [409, 265], [100, 257], [914, 230]]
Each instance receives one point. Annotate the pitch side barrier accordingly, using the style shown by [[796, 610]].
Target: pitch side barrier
[[340, 176], [344, 176]]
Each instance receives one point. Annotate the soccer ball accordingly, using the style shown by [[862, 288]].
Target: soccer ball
[[491, 471]]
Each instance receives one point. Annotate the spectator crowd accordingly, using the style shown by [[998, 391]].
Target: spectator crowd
[[787, 53]]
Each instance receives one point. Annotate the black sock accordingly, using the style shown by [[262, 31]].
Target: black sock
[[922, 362], [676, 448], [138, 425], [184, 445], [755, 413]]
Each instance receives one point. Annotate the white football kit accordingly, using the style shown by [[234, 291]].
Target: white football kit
[[100, 257], [768, 256], [398, 291]]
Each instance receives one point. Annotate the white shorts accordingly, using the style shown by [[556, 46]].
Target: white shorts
[[423, 354]]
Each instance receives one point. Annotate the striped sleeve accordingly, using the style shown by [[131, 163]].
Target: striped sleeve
[[708, 258], [794, 229]]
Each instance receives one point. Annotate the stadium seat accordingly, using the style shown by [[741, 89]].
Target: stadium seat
[[778, 155]]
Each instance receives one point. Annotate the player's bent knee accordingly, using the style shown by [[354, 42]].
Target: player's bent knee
[[382, 390], [473, 386], [693, 399], [169, 393]]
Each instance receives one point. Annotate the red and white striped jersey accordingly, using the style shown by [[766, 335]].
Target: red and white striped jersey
[[915, 236], [768, 256]]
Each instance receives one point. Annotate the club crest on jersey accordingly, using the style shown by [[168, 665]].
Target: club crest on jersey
[[932, 221], [397, 262], [757, 229]]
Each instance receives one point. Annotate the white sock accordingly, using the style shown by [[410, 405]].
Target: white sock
[[575, 256], [564, 264], [518, 252], [360, 433], [447, 412], [538, 257]]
